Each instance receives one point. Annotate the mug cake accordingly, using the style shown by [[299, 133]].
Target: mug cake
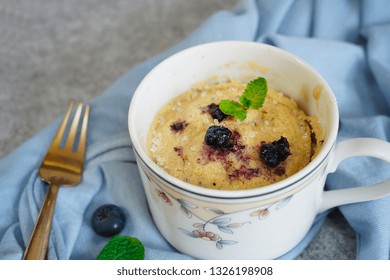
[[192, 139]]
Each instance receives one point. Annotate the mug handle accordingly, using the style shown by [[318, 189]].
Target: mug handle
[[350, 148]]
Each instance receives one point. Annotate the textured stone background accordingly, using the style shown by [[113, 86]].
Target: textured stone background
[[52, 51]]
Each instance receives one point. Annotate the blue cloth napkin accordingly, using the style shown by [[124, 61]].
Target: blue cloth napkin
[[346, 41]]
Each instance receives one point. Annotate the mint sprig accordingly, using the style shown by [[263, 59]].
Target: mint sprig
[[253, 97], [122, 248], [232, 108]]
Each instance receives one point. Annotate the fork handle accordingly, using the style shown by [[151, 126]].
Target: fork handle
[[39, 240]]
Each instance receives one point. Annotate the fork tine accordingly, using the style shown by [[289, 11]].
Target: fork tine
[[61, 130], [83, 133], [73, 128]]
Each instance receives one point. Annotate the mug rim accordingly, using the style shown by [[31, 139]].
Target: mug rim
[[231, 194]]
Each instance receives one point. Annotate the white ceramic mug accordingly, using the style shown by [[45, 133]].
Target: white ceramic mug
[[260, 223]]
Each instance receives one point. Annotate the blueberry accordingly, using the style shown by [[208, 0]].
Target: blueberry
[[215, 112], [275, 152], [108, 220], [178, 126], [219, 138]]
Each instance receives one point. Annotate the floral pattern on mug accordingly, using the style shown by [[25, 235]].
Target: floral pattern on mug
[[208, 236], [265, 212], [207, 230], [163, 197]]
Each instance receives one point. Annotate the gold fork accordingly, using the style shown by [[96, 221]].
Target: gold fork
[[62, 166]]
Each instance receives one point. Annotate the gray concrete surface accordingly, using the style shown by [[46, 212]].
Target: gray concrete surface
[[52, 51]]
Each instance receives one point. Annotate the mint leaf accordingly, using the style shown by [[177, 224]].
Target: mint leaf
[[122, 248], [232, 108], [254, 94], [252, 97]]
